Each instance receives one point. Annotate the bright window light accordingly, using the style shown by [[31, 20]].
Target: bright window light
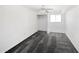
[[55, 18], [52, 18]]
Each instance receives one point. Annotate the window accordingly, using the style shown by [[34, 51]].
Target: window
[[55, 18]]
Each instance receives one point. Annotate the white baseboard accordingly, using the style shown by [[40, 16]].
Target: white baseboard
[[73, 42]]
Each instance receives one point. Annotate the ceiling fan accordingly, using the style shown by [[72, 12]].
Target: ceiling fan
[[46, 10]]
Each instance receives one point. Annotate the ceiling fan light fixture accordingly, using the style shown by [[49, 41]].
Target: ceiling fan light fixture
[[45, 10]]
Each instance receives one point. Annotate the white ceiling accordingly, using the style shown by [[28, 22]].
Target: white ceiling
[[62, 8]]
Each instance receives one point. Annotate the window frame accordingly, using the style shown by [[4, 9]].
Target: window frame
[[55, 17]]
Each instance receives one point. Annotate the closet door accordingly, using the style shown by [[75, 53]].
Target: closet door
[[42, 22]]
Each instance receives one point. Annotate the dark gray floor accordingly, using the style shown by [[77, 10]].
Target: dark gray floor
[[42, 42]]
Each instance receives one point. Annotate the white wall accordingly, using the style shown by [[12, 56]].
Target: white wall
[[16, 24], [57, 26], [42, 22], [72, 26]]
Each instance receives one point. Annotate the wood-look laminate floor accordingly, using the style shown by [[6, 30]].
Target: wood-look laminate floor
[[41, 42]]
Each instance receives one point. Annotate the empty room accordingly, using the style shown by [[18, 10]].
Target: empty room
[[39, 28]]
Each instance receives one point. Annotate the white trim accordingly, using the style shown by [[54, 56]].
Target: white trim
[[74, 44]]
